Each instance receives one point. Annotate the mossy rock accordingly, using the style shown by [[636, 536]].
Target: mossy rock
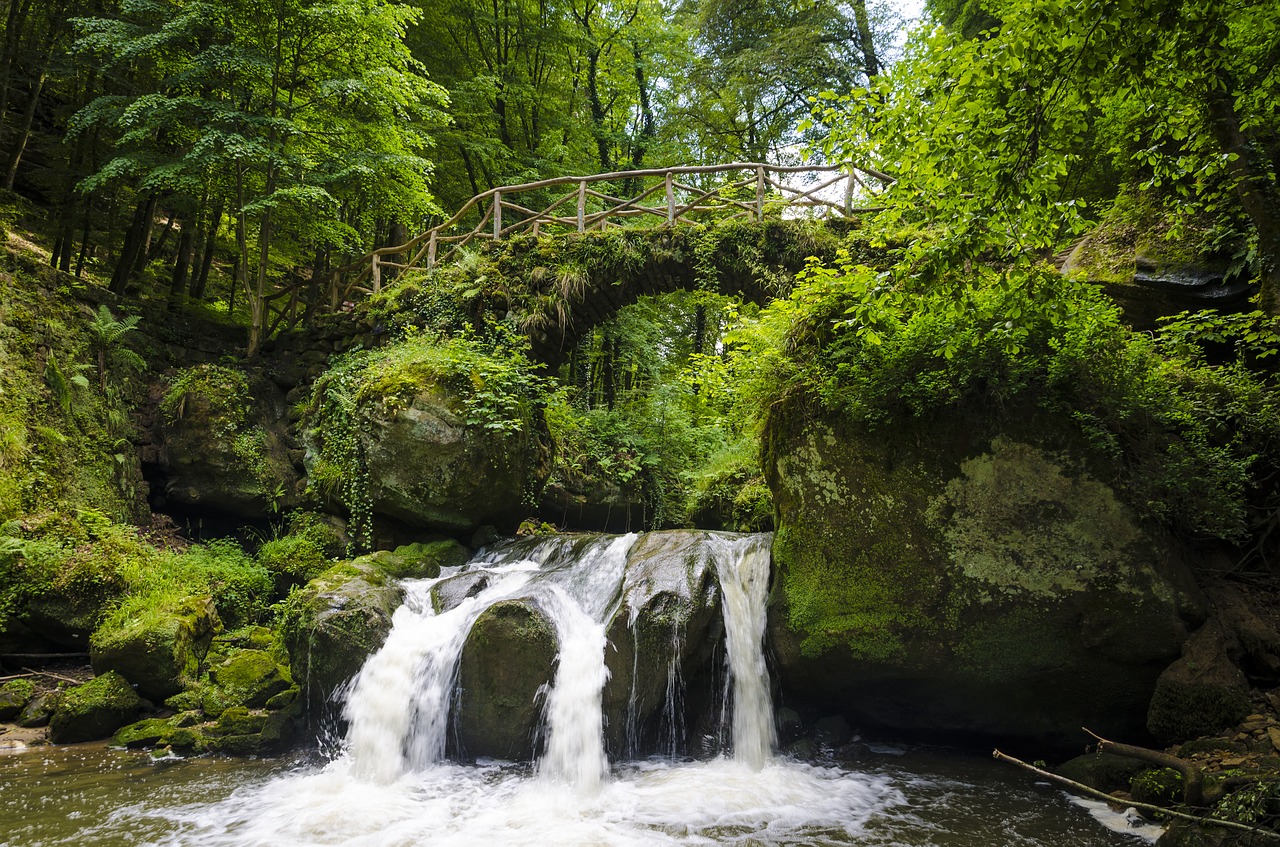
[[39, 709], [429, 468], [972, 574], [420, 560], [225, 445], [249, 678], [1202, 693], [94, 710], [161, 654], [14, 696], [509, 655], [1157, 786], [1105, 772], [333, 624]]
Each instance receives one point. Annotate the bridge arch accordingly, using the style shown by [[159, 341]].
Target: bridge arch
[[558, 288]]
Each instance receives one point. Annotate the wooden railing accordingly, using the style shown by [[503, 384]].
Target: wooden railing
[[666, 196]]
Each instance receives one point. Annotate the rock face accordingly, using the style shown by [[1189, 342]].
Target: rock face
[[94, 710], [508, 657], [162, 655], [333, 624], [224, 445], [429, 468], [665, 633], [967, 575]]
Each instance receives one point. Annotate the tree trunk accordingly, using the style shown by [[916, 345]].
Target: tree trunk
[[866, 40], [201, 282], [133, 243], [24, 132], [1258, 193], [178, 285]]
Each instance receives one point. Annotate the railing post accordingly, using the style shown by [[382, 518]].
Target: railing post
[[431, 250], [582, 206], [759, 194], [671, 199], [377, 275], [497, 215]]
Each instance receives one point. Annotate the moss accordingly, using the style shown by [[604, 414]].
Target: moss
[[14, 695], [1183, 711], [250, 678], [94, 710]]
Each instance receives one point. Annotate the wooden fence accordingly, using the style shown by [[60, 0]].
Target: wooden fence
[[666, 196]]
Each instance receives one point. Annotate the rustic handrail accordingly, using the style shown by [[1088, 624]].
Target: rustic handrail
[[764, 182]]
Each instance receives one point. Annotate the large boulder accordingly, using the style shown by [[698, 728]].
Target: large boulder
[[95, 710], [968, 575], [428, 467], [509, 655], [662, 641], [333, 624], [161, 653], [224, 444]]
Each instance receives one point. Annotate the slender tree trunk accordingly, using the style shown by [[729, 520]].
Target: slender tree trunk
[[15, 23], [1258, 193], [866, 40], [24, 132], [86, 236], [178, 285], [201, 282], [133, 243]]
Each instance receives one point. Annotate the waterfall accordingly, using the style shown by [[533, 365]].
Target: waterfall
[[398, 705], [743, 566]]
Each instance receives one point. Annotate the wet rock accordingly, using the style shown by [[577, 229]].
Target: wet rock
[[161, 655], [333, 624], [1103, 771], [508, 657], [94, 710], [973, 574], [833, 731], [662, 642]]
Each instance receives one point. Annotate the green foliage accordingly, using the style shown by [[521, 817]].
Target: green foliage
[[1253, 337], [294, 559], [225, 390], [158, 581], [1255, 804], [1186, 436]]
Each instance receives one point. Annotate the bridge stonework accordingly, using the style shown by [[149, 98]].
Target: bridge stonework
[[563, 286]]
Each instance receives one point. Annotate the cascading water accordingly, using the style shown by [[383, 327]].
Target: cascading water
[[743, 566], [393, 785]]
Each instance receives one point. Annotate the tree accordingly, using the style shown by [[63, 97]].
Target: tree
[[988, 136], [309, 117]]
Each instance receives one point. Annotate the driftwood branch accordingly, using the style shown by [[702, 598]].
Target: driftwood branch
[[1081, 788], [52, 676], [1193, 793]]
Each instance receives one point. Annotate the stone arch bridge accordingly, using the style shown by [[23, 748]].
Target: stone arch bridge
[[571, 251]]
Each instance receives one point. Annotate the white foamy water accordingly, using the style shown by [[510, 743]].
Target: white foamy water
[[716, 802], [743, 566]]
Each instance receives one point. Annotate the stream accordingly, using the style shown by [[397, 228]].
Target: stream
[[390, 782]]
